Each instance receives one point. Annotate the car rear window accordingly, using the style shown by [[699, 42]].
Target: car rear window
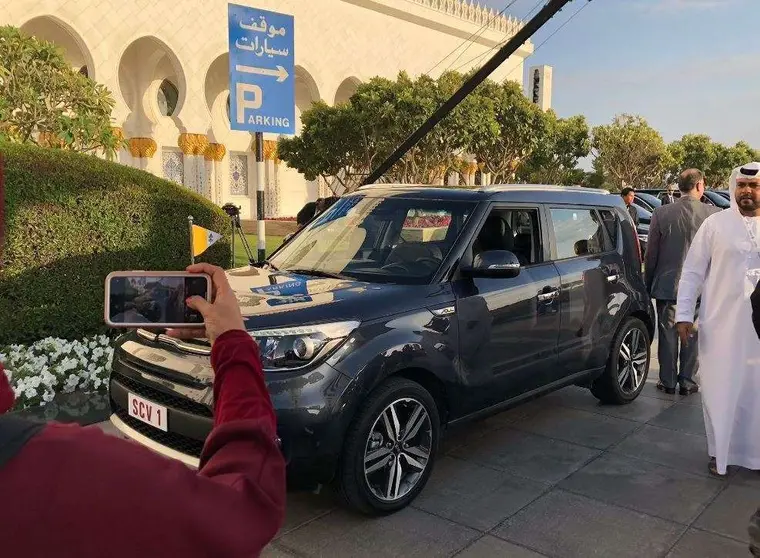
[[611, 224], [578, 233]]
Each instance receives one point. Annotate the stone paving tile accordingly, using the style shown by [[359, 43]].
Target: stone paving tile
[[730, 512], [304, 507], [578, 427], [707, 545], [274, 551], [571, 526], [681, 451], [491, 547], [408, 533], [475, 496], [640, 410], [527, 455], [748, 478], [644, 487], [682, 418], [518, 413], [464, 434]]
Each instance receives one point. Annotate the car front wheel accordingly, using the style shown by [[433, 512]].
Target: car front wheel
[[390, 448], [627, 367]]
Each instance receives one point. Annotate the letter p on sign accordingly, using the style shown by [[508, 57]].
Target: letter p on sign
[[249, 96]]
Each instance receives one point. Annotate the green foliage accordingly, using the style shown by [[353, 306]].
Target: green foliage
[[70, 220], [342, 144], [714, 159], [44, 100], [555, 159], [629, 152]]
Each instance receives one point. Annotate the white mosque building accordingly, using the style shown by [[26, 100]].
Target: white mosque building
[[166, 63]]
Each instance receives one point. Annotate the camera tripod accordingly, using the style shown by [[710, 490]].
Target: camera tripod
[[234, 212]]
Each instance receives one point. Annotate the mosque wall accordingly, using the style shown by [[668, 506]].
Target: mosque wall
[[166, 64]]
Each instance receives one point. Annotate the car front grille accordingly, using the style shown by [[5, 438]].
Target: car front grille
[[162, 398], [172, 440]]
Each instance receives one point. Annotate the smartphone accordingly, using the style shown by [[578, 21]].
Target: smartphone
[[154, 299]]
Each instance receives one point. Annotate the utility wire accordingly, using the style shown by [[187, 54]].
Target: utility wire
[[557, 30], [499, 45], [469, 40]]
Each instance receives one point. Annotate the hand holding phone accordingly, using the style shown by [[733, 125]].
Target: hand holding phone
[[219, 316]]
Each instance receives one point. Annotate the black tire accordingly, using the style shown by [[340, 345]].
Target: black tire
[[353, 483], [607, 387]]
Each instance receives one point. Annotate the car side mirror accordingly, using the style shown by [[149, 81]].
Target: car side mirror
[[494, 264]]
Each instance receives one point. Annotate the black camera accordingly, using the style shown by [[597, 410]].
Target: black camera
[[231, 209]]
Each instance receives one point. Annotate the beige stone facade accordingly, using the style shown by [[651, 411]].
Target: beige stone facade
[[166, 63]]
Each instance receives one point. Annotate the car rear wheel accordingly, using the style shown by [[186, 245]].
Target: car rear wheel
[[390, 448], [627, 367]]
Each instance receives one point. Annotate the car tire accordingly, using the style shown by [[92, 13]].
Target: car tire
[[627, 367], [370, 489]]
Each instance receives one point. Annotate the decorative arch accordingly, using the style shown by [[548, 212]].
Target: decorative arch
[[346, 89], [57, 31], [145, 66]]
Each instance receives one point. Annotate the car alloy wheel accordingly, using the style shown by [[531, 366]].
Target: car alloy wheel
[[632, 361], [398, 449]]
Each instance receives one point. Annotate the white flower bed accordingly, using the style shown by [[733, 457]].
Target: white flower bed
[[50, 366]]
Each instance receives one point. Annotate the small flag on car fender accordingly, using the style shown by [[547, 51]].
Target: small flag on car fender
[[203, 239]]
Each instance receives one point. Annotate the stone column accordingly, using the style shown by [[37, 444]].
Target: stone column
[[193, 146], [272, 197], [142, 149], [213, 155]]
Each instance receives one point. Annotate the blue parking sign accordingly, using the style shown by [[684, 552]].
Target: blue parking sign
[[262, 70]]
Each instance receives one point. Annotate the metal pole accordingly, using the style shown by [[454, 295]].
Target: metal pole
[[261, 225], [2, 209], [547, 12], [190, 229]]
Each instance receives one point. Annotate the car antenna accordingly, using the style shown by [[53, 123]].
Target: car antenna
[[539, 20]]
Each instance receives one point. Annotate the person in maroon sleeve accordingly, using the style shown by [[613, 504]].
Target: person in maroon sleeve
[[79, 492]]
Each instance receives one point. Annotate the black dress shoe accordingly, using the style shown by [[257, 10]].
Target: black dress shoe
[[688, 388], [669, 391]]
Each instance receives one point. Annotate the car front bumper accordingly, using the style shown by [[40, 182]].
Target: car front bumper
[[313, 411]]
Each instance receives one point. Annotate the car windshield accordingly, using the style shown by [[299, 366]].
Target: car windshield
[[717, 199], [390, 239]]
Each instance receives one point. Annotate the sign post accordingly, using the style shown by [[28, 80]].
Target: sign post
[[262, 85]]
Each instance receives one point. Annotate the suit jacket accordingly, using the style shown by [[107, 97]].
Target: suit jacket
[[671, 231], [634, 215]]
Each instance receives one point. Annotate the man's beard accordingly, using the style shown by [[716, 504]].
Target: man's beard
[[748, 204]]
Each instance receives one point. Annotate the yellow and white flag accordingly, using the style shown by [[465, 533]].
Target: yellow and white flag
[[203, 239]]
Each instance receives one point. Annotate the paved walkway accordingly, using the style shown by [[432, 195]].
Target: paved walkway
[[559, 477]]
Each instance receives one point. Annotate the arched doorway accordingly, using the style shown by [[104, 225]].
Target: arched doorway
[[53, 29], [346, 89]]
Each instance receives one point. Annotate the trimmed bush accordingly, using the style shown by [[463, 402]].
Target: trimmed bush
[[70, 220]]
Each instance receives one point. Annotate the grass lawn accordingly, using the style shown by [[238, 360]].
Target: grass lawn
[[241, 259]]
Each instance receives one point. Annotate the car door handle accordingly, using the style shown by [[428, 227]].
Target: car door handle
[[613, 278], [548, 296]]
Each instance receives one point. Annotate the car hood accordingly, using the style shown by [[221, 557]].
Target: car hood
[[277, 299]]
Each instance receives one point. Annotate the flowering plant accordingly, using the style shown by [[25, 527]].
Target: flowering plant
[[39, 371]]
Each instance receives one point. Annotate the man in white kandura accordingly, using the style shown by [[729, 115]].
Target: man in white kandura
[[723, 267]]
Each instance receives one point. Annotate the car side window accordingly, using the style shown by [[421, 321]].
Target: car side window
[[513, 230], [578, 232], [611, 225]]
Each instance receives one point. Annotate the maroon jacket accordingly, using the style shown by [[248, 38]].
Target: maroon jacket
[[72, 491]]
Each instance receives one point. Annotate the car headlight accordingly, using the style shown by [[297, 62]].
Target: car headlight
[[291, 348]]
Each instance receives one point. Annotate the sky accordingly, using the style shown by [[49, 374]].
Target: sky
[[687, 66]]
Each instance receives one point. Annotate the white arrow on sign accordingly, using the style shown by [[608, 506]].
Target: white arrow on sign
[[280, 73]]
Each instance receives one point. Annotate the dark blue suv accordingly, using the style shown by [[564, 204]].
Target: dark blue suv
[[403, 310]]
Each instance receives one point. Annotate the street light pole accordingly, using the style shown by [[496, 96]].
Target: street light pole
[[547, 12]]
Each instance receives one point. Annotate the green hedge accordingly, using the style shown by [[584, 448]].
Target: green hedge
[[70, 220]]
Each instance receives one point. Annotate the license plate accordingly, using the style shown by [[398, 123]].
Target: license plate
[[147, 411]]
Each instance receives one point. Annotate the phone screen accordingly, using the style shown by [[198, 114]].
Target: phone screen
[[156, 299]]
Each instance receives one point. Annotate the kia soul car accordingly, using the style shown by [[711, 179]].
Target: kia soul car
[[403, 310]]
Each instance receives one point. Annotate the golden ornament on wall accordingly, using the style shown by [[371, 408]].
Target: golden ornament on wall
[[192, 144], [270, 151], [215, 152], [142, 147]]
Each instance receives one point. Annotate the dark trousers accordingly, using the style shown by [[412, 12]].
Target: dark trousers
[[671, 352]]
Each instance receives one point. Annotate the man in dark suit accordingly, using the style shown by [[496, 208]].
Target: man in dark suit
[[671, 231], [628, 195]]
